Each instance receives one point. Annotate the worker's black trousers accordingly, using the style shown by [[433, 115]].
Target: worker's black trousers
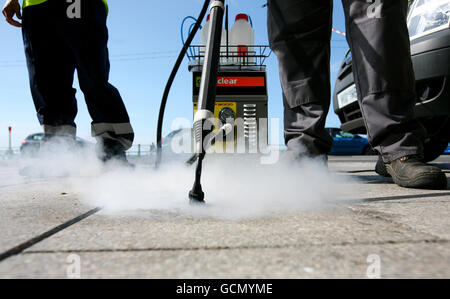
[[59, 40], [299, 34]]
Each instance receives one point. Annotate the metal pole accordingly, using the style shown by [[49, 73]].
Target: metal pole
[[226, 29], [208, 83], [10, 144], [207, 94]]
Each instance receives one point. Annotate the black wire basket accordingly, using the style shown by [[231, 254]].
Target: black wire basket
[[233, 57]]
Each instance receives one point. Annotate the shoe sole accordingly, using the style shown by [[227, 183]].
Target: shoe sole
[[429, 181]]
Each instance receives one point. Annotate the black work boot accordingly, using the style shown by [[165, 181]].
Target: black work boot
[[380, 168], [411, 172], [113, 151]]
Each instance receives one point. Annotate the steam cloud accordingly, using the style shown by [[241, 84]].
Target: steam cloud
[[237, 187]]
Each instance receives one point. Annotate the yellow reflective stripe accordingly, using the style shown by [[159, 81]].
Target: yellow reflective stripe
[[32, 2], [106, 5], [36, 2]]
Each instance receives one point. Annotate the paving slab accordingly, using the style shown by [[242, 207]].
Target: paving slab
[[407, 229], [408, 260], [169, 230], [425, 211], [30, 209], [9, 174]]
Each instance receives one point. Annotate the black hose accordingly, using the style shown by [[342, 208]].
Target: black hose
[[172, 78]]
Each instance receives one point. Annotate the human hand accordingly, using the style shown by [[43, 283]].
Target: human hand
[[11, 8]]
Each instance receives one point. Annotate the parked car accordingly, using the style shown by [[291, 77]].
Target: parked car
[[429, 29], [31, 145], [447, 150], [345, 143]]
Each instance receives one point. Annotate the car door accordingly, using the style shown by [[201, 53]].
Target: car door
[[338, 144], [349, 144]]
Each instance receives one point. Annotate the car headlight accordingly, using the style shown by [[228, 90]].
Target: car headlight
[[428, 16], [347, 96]]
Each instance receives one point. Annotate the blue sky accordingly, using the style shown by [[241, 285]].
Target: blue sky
[[144, 43]]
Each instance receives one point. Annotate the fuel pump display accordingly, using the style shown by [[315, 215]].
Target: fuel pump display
[[229, 85], [241, 100], [241, 91]]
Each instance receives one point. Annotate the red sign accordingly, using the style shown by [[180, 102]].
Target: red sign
[[9, 129], [240, 82]]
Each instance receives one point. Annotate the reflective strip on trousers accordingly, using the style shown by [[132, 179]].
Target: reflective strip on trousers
[[36, 2], [119, 129], [60, 130], [119, 132]]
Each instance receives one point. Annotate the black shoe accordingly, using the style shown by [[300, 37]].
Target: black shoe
[[411, 172], [113, 153], [118, 159], [380, 168]]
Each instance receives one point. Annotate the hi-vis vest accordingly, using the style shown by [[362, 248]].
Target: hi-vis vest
[[36, 2]]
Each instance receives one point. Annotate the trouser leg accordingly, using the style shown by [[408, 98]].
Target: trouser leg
[[51, 68], [299, 34], [88, 37], [304, 128], [384, 76]]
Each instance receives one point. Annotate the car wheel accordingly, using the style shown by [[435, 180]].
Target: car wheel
[[438, 130]]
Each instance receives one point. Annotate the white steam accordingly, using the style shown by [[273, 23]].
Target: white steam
[[236, 186]]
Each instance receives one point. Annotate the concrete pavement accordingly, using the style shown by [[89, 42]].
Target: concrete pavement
[[377, 228]]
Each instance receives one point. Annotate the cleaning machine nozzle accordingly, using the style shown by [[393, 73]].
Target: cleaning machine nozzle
[[203, 124]]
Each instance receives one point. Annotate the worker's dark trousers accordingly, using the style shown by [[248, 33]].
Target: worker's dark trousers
[[56, 45], [299, 34]]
